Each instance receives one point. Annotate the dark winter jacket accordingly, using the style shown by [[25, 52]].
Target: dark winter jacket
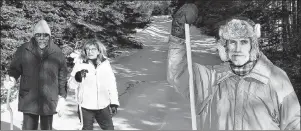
[[43, 77]]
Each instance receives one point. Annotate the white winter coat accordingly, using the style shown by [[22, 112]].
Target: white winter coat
[[98, 89]]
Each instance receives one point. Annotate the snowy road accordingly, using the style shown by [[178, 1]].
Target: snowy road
[[147, 101], [150, 102]]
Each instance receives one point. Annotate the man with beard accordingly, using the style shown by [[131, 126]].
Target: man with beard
[[246, 92], [42, 67]]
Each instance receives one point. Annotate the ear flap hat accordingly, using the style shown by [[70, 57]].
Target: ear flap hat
[[240, 28]]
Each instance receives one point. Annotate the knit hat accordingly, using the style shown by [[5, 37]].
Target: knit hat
[[240, 28], [42, 27]]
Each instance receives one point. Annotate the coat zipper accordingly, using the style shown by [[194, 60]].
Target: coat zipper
[[39, 88], [97, 89], [97, 86]]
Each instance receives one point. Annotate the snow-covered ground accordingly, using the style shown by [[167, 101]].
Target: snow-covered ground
[[147, 100]]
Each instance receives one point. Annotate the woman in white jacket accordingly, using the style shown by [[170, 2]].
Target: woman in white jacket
[[95, 84]]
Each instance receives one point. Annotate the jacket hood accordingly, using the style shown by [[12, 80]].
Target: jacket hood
[[42, 27]]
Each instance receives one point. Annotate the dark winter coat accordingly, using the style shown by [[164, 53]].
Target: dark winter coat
[[43, 77]]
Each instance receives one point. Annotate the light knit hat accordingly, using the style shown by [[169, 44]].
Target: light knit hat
[[42, 27]]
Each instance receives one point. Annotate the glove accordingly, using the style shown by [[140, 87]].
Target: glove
[[9, 82], [113, 109], [80, 75], [61, 106]]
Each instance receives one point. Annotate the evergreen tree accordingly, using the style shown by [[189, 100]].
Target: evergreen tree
[[71, 23]]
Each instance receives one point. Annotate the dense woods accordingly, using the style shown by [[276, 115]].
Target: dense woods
[[113, 22], [280, 24], [281, 28], [72, 22]]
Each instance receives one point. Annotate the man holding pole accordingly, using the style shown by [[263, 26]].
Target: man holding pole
[[182, 18], [246, 92], [42, 67]]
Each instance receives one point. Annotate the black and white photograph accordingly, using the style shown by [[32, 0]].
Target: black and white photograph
[[150, 65]]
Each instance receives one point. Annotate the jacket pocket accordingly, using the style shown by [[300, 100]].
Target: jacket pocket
[[54, 98], [23, 93], [54, 93], [53, 106], [28, 71], [27, 83]]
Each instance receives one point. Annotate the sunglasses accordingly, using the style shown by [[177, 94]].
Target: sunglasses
[[41, 34]]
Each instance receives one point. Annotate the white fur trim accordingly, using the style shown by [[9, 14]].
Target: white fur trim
[[236, 29], [257, 30], [222, 52]]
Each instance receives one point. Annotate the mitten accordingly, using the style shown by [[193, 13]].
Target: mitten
[[113, 109], [80, 75]]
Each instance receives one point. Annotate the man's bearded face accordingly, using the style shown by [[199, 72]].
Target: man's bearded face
[[239, 50], [42, 39]]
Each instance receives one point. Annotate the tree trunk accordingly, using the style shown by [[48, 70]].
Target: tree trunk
[[285, 17], [290, 19], [298, 16], [294, 20]]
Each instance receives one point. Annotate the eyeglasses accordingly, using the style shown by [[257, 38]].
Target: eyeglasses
[[41, 34], [92, 49]]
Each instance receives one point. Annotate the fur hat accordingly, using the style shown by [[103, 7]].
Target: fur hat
[[42, 27], [240, 28]]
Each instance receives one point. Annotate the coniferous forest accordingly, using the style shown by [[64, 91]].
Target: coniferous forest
[[113, 22]]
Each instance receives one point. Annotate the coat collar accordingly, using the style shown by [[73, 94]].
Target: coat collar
[[260, 72], [262, 69], [33, 48], [87, 62]]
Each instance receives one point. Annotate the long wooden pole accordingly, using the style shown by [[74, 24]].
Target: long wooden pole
[[79, 108], [191, 86], [81, 117], [9, 109]]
